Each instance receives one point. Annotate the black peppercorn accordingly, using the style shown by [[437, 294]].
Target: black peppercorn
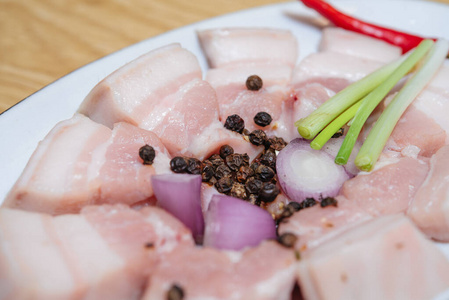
[[290, 209], [216, 160], [287, 240], [178, 164], [147, 154], [257, 137], [265, 173], [224, 185], [268, 158], [226, 150], [309, 202], [235, 123], [254, 83], [208, 171], [268, 192], [235, 161], [275, 143], [328, 201], [253, 185], [263, 119], [222, 171], [175, 293], [243, 173], [194, 166], [339, 133]]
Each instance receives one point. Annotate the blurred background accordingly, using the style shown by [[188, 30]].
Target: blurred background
[[42, 40]]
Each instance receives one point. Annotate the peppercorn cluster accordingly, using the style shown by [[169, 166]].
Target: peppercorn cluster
[[293, 207], [232, 173]]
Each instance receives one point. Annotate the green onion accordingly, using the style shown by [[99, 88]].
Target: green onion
[[378, 136], [311, 125], [334, 126], [370, 101]]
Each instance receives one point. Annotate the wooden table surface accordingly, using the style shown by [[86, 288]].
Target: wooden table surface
[[42, 40]]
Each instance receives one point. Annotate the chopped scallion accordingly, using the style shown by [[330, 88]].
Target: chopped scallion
[[311, 125], [371, 100], [378, 136], [334, 126]]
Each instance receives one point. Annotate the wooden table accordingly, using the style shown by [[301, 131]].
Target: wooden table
[[42, 40]]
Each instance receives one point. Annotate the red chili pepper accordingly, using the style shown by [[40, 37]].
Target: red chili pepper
[[401, 39]]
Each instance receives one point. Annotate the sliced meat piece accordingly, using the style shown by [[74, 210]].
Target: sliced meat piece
[[235, 45], [386, 258], [215, 136], [339, 40], [182, 116], [433, 101], [430, 209], [439, 81], [231, 77], [415, 128], [309, 98], [389, 189], [315, 225], [275, 97], [130, 93], [81, 162], [333, 70], [276, 101], [106, 252], [162, 91], [264, 272], [236, 54]]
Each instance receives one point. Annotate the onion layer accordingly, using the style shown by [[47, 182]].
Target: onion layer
[[307, 173], [234, 224], [180, 195]]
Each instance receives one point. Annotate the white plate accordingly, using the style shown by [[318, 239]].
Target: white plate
[[25, 124]]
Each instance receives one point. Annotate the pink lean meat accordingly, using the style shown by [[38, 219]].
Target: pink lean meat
[[429, 208], [162, 91], [338, 40], [386, 258], [266, 272], [234, 54], [81, 162], [106, 252]]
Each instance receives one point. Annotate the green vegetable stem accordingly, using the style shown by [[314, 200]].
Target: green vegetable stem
[[378, 136]]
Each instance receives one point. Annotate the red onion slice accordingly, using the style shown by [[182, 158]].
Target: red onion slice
[[307, 173], [180, 195], [234, 224]]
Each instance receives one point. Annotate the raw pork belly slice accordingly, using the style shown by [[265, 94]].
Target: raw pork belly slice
[[320, 75], [424, 124], [386, 258], [333, 70], [415, 128], [237, 53], [314, 225], [81, 162], [162, 91], [339, 40], [265, 272], [433, 101], [240, 45], [129, 93], [106, 252], [430, 207], [388, 189], [310, 97]]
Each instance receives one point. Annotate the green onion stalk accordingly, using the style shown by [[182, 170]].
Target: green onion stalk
[[371, 100], [379, 134]]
